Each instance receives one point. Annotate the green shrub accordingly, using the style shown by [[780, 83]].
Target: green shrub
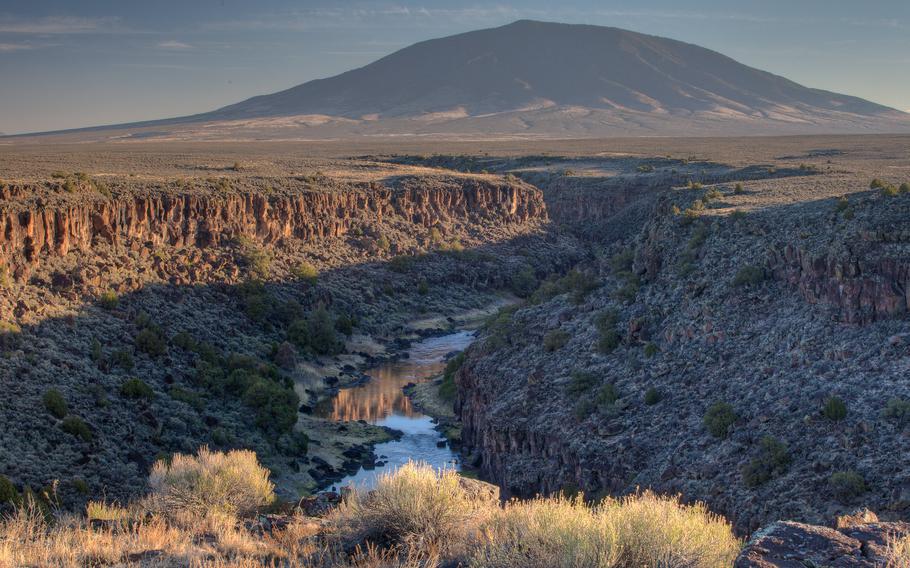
[[75, 426], [555, 339], [151, 342], [773, 460], [876, 184], [606, 319], [584, 408], [711, 195], [142, 320], [622, 261], [652, 396], [738, 189], [306, 271], [834, 409], [523, 282], [322, 336], [904, 188], [97, 351], [184, 341], [645, 169], [258, 307], [210, 483], [136, 388], [258, 261], [847, 485], [698, 237], [275, 406], [498, 327], [897, 409], [109, 300], [608, 341], [317, 333], [651, 350], [9, 335], [294, 443], [55, 403], [383, 243], [628, 291], [189, 397], [8, 492], [576, 283], [447, 389], [81, 486], [749, 276], [581, 383], [607, 395], [123, 359], [718, 419], [889, 191], [692, 213], [344, 324], [423, 288]]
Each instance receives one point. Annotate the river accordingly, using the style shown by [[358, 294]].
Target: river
[[381, 401]]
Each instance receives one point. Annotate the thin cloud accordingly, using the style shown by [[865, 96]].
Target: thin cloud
[[884, 23], [174, 45], [673, 15], [11, 47], [59, 25], [320, 18], [357, 53]]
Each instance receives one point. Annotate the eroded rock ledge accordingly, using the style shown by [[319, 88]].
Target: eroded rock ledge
[[32, 228], [787, 544]]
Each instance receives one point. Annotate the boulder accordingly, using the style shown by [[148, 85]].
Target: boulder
[[787, 544]]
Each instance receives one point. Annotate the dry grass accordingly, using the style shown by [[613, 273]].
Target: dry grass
[[898, 554], [423, 512], [230, 483], [640, 530], [415, 518]]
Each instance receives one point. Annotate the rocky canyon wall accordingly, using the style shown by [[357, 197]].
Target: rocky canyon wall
[[32, 229]]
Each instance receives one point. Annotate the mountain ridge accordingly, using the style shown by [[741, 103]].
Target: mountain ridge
[[542, 79]]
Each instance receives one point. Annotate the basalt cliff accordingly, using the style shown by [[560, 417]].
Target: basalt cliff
[[750, 357], [37, 222], [166, 314]]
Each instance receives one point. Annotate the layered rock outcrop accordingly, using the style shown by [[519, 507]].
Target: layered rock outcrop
[[33, 229], [862, 285]]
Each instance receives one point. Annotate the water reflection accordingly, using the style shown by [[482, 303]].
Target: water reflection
[[381, 401], [382, 396]]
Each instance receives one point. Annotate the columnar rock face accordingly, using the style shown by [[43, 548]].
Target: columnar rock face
[[32, 230], [863, 285]]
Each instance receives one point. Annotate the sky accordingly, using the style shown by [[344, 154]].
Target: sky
[[73, 63]]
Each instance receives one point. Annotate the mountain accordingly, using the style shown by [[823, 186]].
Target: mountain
[[545, 79]]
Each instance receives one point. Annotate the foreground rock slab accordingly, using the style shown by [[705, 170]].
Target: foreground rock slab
[[787, 544]]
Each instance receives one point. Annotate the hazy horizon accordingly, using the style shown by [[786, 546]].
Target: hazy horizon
[[106, 62]]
